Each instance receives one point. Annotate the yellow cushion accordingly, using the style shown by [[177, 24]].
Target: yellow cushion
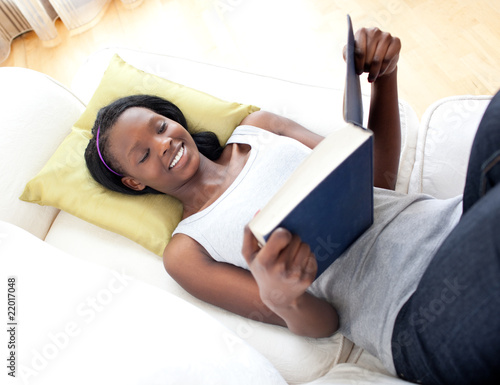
[[65, 183]]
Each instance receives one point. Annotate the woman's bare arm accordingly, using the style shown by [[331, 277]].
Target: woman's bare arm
[[235, 289], [377, 54], [282, 126], [384, 121], [221, 284]]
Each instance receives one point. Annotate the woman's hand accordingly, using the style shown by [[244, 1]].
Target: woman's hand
[[376, 52], [284, 268]]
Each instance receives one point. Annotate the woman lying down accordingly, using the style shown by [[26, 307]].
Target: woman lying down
[[378, 293]]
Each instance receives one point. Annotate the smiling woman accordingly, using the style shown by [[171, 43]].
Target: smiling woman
[[148, 147], [102, 162]]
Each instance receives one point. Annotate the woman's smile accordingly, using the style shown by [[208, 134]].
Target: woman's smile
[[178, 156]]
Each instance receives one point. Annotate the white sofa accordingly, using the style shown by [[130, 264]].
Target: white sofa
[[95, 307]]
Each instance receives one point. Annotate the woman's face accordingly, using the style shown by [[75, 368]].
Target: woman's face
[[153, 151]]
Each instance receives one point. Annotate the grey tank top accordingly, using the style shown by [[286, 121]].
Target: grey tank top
[[372, 280]]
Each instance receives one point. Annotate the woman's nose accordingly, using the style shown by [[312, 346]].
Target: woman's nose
[[163, 145]]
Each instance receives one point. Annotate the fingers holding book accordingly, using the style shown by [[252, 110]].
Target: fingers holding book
[[376, 52], [284, 267]]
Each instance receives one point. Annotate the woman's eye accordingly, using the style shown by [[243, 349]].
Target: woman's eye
[[143, 159], [162, 128]]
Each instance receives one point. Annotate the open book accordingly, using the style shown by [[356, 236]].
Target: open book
[[328, 200]]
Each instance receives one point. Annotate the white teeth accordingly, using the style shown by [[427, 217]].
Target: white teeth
[[177, 157]]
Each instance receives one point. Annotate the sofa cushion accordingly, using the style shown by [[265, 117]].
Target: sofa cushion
[[37, 113], [149, 220]]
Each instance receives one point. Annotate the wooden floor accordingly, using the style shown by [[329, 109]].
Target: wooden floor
[[449, 46]]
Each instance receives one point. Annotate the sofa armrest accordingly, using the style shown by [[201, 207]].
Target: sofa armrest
[[445, 138], [80, 323], [37, 114]]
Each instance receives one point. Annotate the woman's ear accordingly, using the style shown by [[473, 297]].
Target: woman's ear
[[133, 183]]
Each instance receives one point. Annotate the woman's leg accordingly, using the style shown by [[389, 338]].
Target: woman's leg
[[449, 330], [484, 163]]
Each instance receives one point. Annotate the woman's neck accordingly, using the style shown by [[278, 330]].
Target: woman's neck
[[213, 178]]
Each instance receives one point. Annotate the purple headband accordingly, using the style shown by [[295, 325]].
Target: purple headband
[[100, 155]]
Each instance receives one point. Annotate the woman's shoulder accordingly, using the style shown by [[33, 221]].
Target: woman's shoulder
[[248, 134], [247, 129], [181, 245], [258, 119]]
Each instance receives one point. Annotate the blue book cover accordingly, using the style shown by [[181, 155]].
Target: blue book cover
[[335, 213], [328, 200], [353, 106]]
